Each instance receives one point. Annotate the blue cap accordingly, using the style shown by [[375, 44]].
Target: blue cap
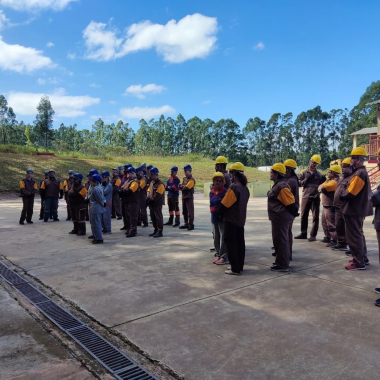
[[127, 166], [131, 169], [154, 171], [92, 172], [46, 172], [139, 169], [71, 172], [143, 165], [187, 167], [105, 173], [79, 176], [149, 167], [96, 178], [51, 171], [30, 170], [120, 167], [174, 169]]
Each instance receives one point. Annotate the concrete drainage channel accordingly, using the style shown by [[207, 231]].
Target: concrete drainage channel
[[110, 357]]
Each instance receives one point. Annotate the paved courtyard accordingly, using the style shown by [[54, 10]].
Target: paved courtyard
[[167, 298]]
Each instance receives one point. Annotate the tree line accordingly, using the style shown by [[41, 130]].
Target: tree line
[[258, 143]]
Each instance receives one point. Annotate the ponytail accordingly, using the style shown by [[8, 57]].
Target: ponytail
[[241, 177]]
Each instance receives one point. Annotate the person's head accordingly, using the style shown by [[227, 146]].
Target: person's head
[[71, 173], [218, 181], [139, 172], [78, 177], [120, 169], [174, 171], [334, 172], [154, 173], [46, 174], [315, 160], [221, 164], [91, 173], [187, 169], [148, 169], [105, 176], [131, 172], [115, 172], [126, 167], [236, 172], [51, 173], [29, 173], [358, 156], [277, 172], [346, 167], [143, 166], [290, 166], [96, 179]]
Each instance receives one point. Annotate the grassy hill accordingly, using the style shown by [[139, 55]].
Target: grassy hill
[[15, 160]]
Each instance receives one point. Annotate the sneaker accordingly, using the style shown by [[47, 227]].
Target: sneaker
[[377, 290], [366, 263], [339, 248], [325, 240], [301, 236], [158, 235], [312, 238], [354, 267], [107, 232], [229, 271], [97, 241], [217, 258], [377, 302], [91, 237], [276, 268], [29, 222], [222, 262], [184, 227], [330, 245], [175, 225]]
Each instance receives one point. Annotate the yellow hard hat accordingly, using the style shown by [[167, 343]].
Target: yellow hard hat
[[221, 160], [238, 166], [316, 158], [219, 174], [336, 169], [378, 152], [279, 167], [290, 163], [346, 161], [359, 151]]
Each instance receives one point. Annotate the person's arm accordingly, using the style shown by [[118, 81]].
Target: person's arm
[[142, 183], [23, 190], [42, 190], [159, 192], [134, 186], [286, 197], [83, 193], [107, 190], [228, 201], [328, 187], [355, 186], [60, 190], [189, 186], [99, 197]]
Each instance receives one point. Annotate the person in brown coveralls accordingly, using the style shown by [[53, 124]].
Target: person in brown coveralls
[[221, 166], [51, 189], [310, 179], [187, 187], [131, 195], [143, 215], [282, 210], [76, 196], [42, 210], [355, 207], [233, 209], [67, 185], [155, 200], [341, 244], [116, 206], [327, 189], [28, 188]]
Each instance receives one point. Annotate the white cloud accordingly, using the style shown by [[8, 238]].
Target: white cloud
[[36, 5], [206, 102], [141, 91], [259, 46], [22, 59], [71, 56], [53, 80], [50, 44], [25, 103], [145, 112], [4, 21], [194, 36], [95, 85]]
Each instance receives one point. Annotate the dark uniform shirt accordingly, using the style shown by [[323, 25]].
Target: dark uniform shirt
[[172, 186], [342, 185], [294, 187], [76, 196], [28, 187], [328, 189], [187, 186], [310, 182], [53, 188], [156, 192], [131, 191], [280, 197]]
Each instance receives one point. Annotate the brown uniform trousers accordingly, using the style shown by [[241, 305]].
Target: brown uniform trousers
[[235, 246], [156, 201], [340, 228], [143, 214], [116, 205], [355, 239], [131, 205], [328, 223], [27, 208], [78, 216], [188, 211], [157, 217]]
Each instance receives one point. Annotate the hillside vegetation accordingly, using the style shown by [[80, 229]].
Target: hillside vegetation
[[14, 162]]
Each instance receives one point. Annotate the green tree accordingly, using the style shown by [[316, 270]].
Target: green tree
[[44, 121]]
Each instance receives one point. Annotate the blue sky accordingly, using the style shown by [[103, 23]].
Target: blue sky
[[120, 59]]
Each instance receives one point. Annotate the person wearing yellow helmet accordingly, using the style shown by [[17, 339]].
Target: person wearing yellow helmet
[[187, 187], [221, 166], [217, 194], [310, 179], [282, 210], [233, 208], [355, 207], [375, 200], [341, 244], [327, 189]]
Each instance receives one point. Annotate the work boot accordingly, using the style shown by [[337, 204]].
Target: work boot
[[29, 221], [176, 225], [154, 233], [22, 223], [123, 228], [68, 218], [184, 227], [158, 234], [312, 238], [325, 240], [73, 232], [91, 237], [169, 222], [97, 241], [301, 236], [191, 227], [130, 235]]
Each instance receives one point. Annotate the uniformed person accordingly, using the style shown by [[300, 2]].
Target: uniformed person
[[337, 204], [310, 179], [28, 189], [76, 196], [282, 210], [355, 207], [116, 206], [327, 189], [143, 215], [172, 187], [107, 191], [42, 210], [187, 187], [67, 184], [233, 209], [131, 194], [155, 200], [96, 209], [221, 167], [88, 188], [52, 189], [143, 167]]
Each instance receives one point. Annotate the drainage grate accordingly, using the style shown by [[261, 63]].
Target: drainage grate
[[134, 373], [31, 293], [113, 359], [59, 316], [10, 276]]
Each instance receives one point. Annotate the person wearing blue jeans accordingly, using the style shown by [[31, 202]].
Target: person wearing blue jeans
[[51, 189]]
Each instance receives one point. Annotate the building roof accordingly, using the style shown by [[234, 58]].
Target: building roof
[[365, 131]]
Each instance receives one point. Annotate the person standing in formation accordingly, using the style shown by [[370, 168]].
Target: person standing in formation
[[144, 170], [42, 210], [122, 196], [355, 207], [97, 209], [76, 197], [116, 206], [221, 166], [28, 189], [187, 187], [107, 191], [341, 244], [310, 179], [233, 209], [131, 195], [155, 200], [143, 215], [67, 184], [51, 189], [172, 187]]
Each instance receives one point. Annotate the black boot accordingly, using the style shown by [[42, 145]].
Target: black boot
[[170, 221], [154, 233]]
